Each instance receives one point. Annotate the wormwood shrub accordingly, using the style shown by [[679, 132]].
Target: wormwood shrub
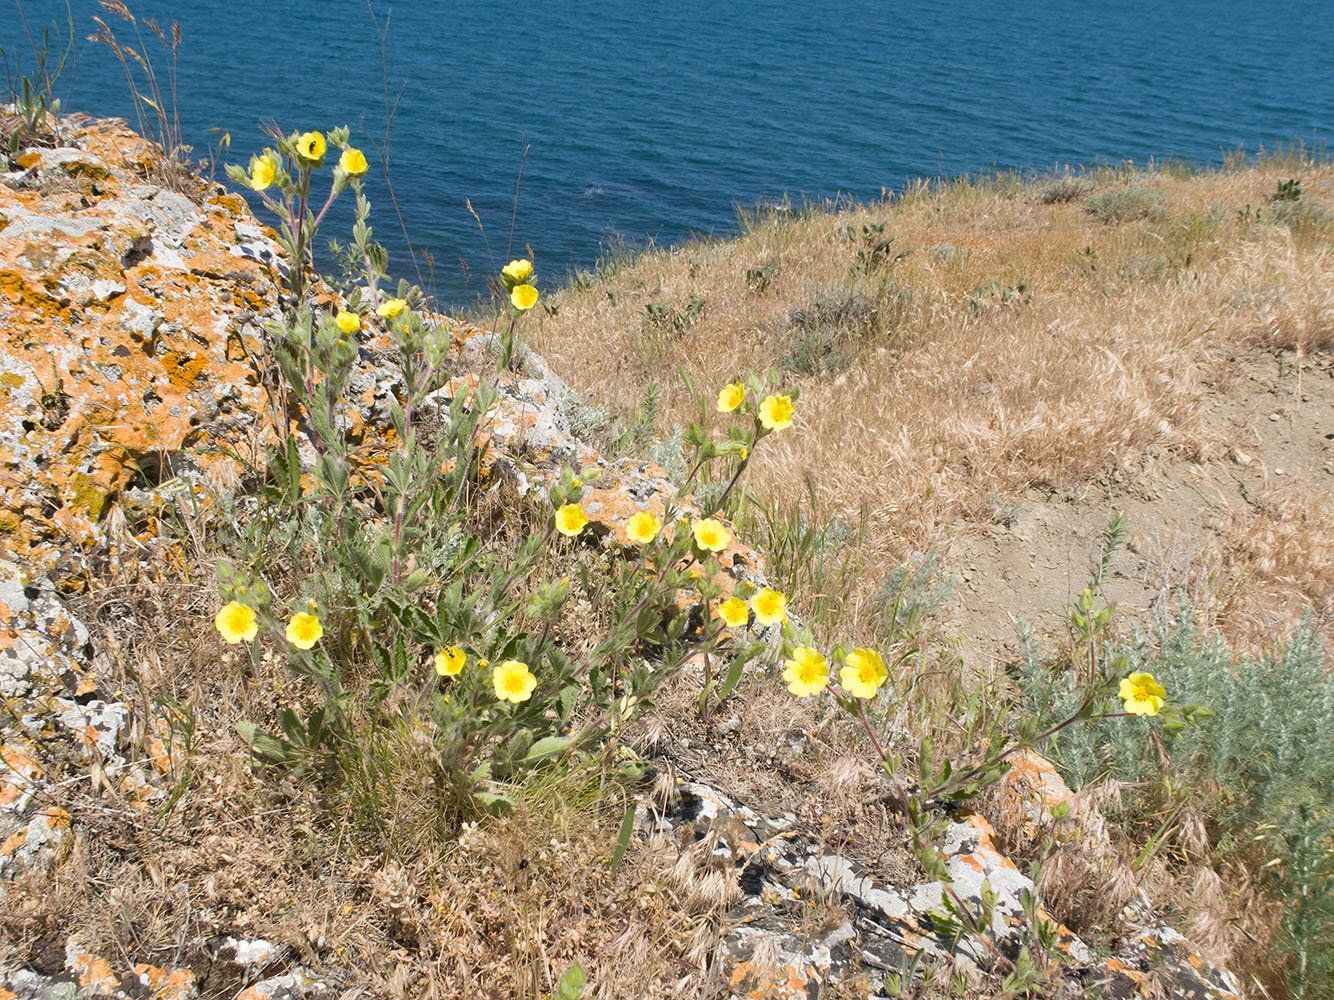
[[1126, 204], [1062, 188], [1261, 767]]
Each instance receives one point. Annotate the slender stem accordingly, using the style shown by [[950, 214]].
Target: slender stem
[[733, 481], [884, 757]]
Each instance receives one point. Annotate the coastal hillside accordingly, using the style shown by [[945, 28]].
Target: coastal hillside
[[644, 637], [991, 368]]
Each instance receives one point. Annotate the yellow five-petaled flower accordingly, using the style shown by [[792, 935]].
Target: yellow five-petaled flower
[[263, 170], [311, 146], [570, 519], [347, 322], [769, 605], [1142, 694], [304, 630], [730, 397], [236, 622], [518, 271], [710, 535], [513, 681], [449, 661], [863, 672], [776, 412], [352, 162], [806, 673], [642, 527], [734, 612], [523, 297], [390, 308]]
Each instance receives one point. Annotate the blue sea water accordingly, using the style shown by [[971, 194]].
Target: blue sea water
[[653, 121]]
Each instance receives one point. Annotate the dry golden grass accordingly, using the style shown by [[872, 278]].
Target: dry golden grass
[[959, 391]]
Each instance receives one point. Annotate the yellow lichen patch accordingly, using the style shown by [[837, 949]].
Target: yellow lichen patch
[[178, 984], [158, 755], [13, 842], [21, 293], [25, 771], [761, 983], [94, 973], [232, 204]]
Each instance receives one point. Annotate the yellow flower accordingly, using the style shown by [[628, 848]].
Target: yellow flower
[[513, 681], [570, 519], [348, 322], [236, 622], [710, 535], [1142, 694], [642, 528], [449, 661], [304, 630], [352, 162], [730, 397], [263, 170], [743, 453], [770, 606], [806, 673], [518, 271], [524, 297], [311, 146], [863, 673], [390, 308], [734, 612], [776, 412], [484, 663]]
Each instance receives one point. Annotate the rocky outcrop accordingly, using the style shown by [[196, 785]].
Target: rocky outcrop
[[131, 320]]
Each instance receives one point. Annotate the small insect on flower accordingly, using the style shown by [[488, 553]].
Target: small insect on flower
[[769, 605], [863, 673], [776, 412], [518, 271], [449, 661], [353, 162], [734, 612], [523, 297], [347, 322], [311, 146], [710, 535], [390, 308], [263, 170], [236, 622], [806, 673], [642, 527], [570, 519], [513, 681], [1142, 694], [304, 630], [730, 397]]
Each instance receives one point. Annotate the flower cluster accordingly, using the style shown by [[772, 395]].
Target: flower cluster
[[517, 279], [298, 153], [237, 623], [806, 672]]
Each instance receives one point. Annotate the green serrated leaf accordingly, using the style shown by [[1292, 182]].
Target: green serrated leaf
[[548, 746]]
